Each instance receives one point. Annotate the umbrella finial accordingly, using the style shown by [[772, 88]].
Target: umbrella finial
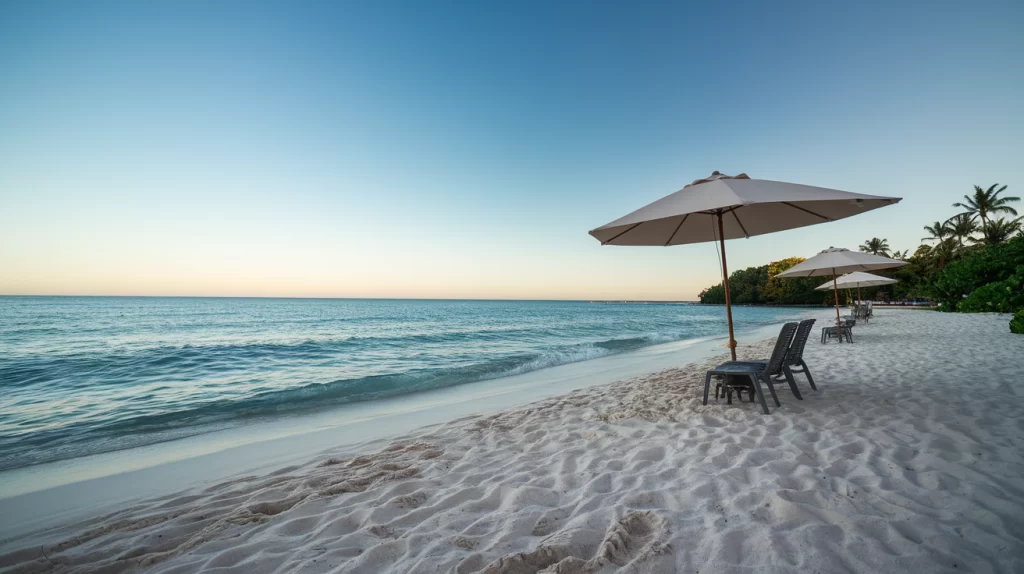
[[716, 175]]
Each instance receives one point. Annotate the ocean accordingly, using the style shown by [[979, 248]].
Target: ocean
[[89, 375]]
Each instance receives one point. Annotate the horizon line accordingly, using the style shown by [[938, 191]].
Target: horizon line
[[356, 298]]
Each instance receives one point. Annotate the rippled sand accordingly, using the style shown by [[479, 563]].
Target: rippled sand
[[907, 459]]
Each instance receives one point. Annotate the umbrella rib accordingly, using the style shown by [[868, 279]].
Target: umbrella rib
[[745, 234], [631, 228], [806, 210], [673, 236]]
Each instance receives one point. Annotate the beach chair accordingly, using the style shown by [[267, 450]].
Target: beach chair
[[795, 356], [843, 332], [757, 373], [794, 359]]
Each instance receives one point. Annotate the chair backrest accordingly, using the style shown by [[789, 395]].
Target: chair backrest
[[781, 347], [796, 348]]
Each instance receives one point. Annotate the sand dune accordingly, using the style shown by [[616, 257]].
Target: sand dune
[[907, 459]]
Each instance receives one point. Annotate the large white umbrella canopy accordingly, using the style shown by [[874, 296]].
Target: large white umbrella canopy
[[724, 207], [837, 260], [749, 206]]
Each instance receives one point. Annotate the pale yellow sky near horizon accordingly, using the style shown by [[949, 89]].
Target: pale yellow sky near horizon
[[248, 276]]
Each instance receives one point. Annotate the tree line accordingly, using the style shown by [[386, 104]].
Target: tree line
[[973, 261]]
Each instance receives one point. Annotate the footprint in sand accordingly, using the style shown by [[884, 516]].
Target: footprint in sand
[[638, 536]]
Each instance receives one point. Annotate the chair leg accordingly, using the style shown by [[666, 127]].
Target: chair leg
[[771, 388], [707, 386], [792, 382], [807, 373], [760, 395]]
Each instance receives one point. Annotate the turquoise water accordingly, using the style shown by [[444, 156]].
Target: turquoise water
[[85, 375]]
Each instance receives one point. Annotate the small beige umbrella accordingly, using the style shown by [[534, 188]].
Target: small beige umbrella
[[837, 260], [857, 279], [727, 207]]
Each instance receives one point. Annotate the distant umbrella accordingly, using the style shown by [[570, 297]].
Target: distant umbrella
[[837, 260], [857, 279], [724, 207]]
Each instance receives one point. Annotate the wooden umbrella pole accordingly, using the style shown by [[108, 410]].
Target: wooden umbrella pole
[[860, 301], [725, 279], [835, 288]]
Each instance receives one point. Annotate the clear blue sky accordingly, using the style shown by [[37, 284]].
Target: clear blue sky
[[441, 149]]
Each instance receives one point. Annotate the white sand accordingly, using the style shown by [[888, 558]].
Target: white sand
[[907, 459]]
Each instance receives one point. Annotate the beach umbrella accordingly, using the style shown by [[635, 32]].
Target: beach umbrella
[[857, 279], [724, 207], [837, 260]]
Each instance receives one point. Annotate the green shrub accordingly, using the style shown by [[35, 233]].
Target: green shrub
[[999, 297], [1017, 323], [978, 268]]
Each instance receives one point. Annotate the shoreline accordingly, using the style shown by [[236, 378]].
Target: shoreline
[[41, 495]]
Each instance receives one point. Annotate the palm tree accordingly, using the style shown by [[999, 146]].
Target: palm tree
[[987, 202], [961, 226], [938, 231], [876, 246], [901, 255], [999, 230], [935, 257], [923, 251], [944, 252]]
